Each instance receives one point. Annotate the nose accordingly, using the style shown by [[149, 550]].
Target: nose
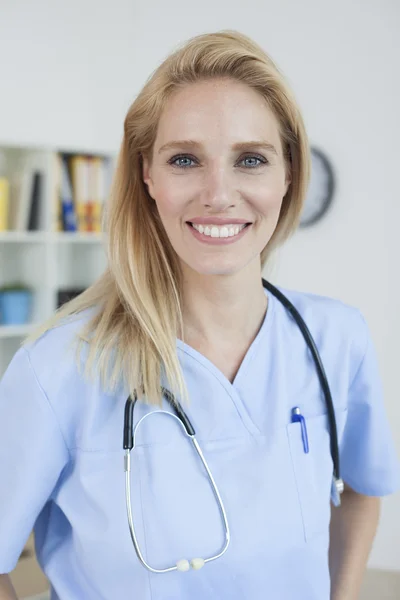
[[218, 193]]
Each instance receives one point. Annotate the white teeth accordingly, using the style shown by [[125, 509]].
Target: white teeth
[[219, 232]]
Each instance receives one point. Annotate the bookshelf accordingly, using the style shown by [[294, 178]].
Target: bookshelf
[[40, 254]]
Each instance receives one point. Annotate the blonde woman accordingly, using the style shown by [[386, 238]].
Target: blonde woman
[[211, 177]]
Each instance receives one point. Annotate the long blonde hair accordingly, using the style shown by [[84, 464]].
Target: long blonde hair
[[132, 333]]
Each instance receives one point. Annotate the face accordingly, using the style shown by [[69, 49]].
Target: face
[[217, 175]]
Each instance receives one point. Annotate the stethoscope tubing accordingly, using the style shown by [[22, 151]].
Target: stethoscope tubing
[[320, 370], [188, 430], [129, 439]]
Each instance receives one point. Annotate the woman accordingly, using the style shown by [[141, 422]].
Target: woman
[[211, 178]]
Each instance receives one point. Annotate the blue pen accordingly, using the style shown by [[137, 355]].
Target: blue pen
[[297, 417]]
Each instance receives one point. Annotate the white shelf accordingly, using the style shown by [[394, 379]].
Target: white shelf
[[28, 237], [76, 238], [12, 331], [48, 261], [22, 236]]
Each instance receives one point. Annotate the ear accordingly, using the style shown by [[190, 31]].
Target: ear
[[288, 181], [146, 173]]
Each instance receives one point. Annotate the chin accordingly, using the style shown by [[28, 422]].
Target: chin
[[216, 267]]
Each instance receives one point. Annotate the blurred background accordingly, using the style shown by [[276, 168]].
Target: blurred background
[[68, 73]]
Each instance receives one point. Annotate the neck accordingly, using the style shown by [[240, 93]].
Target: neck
[[220, 310]]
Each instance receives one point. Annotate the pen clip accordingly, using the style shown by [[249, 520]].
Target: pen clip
[[297, 417]]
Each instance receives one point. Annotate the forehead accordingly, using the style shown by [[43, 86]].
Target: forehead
[[222, 109]]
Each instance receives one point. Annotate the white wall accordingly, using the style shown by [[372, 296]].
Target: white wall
[[69, 70]]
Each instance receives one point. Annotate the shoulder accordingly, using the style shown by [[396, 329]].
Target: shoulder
[[44, 380], [53, 355], [324, 309], [336, 326]]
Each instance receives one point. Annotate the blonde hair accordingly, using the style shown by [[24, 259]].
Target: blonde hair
[[132, 333]]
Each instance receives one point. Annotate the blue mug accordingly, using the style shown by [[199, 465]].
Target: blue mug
[[15, 307]]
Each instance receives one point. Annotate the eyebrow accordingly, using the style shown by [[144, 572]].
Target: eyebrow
[[238, 146]]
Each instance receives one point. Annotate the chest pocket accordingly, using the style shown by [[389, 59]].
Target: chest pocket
[[180, 515], [313, 470]]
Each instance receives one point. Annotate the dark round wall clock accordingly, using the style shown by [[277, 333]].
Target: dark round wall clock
[[320, 190]]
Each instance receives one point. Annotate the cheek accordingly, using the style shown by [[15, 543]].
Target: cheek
[[167, 203], [170, 199], [267, 200]]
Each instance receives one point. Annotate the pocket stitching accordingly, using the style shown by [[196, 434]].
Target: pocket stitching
[[340, 414], [297, 484], [144, 526]]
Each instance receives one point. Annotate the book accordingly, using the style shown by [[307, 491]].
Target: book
[[35, 204], [4, 203], [79, 167], [98, 192], [68, 211], [20, 199], [57, 216], [66, 294]]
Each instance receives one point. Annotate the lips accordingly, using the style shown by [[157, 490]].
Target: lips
[[219, 221], [214, 230], [218, 234]]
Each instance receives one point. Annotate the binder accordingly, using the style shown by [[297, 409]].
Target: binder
[[79, 167], [66, 196], [21, 198], [34, 213], [57, 216], [98, 191], [4, 203], [89, 215]]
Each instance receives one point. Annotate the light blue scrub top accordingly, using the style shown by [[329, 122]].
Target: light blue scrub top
[[61, 465]]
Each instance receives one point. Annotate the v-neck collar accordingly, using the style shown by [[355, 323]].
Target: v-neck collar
[[211, 367]]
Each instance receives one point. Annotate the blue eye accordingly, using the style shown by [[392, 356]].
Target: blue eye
[[174, 161], [260, 161]]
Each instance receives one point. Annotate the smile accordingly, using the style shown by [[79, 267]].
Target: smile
[[217, 234], [216, 231]]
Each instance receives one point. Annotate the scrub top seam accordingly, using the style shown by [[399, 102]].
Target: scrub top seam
[[144, 527], [236, 438], [299, 498], [354, 378], [265, 326], [377, 490], [224, 387], [229, 387], [48, 403]]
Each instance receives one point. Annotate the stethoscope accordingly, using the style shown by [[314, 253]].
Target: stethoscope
[[187, 427]]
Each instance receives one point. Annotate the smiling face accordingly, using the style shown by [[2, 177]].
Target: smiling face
[[217, 175]]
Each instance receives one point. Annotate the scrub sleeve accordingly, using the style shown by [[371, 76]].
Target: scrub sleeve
[[368, 459], [32, 456]]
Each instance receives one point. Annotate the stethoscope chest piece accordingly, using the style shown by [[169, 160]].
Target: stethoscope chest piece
[[184, 565]]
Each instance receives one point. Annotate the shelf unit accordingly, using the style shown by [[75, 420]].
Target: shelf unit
[[46, 260]]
